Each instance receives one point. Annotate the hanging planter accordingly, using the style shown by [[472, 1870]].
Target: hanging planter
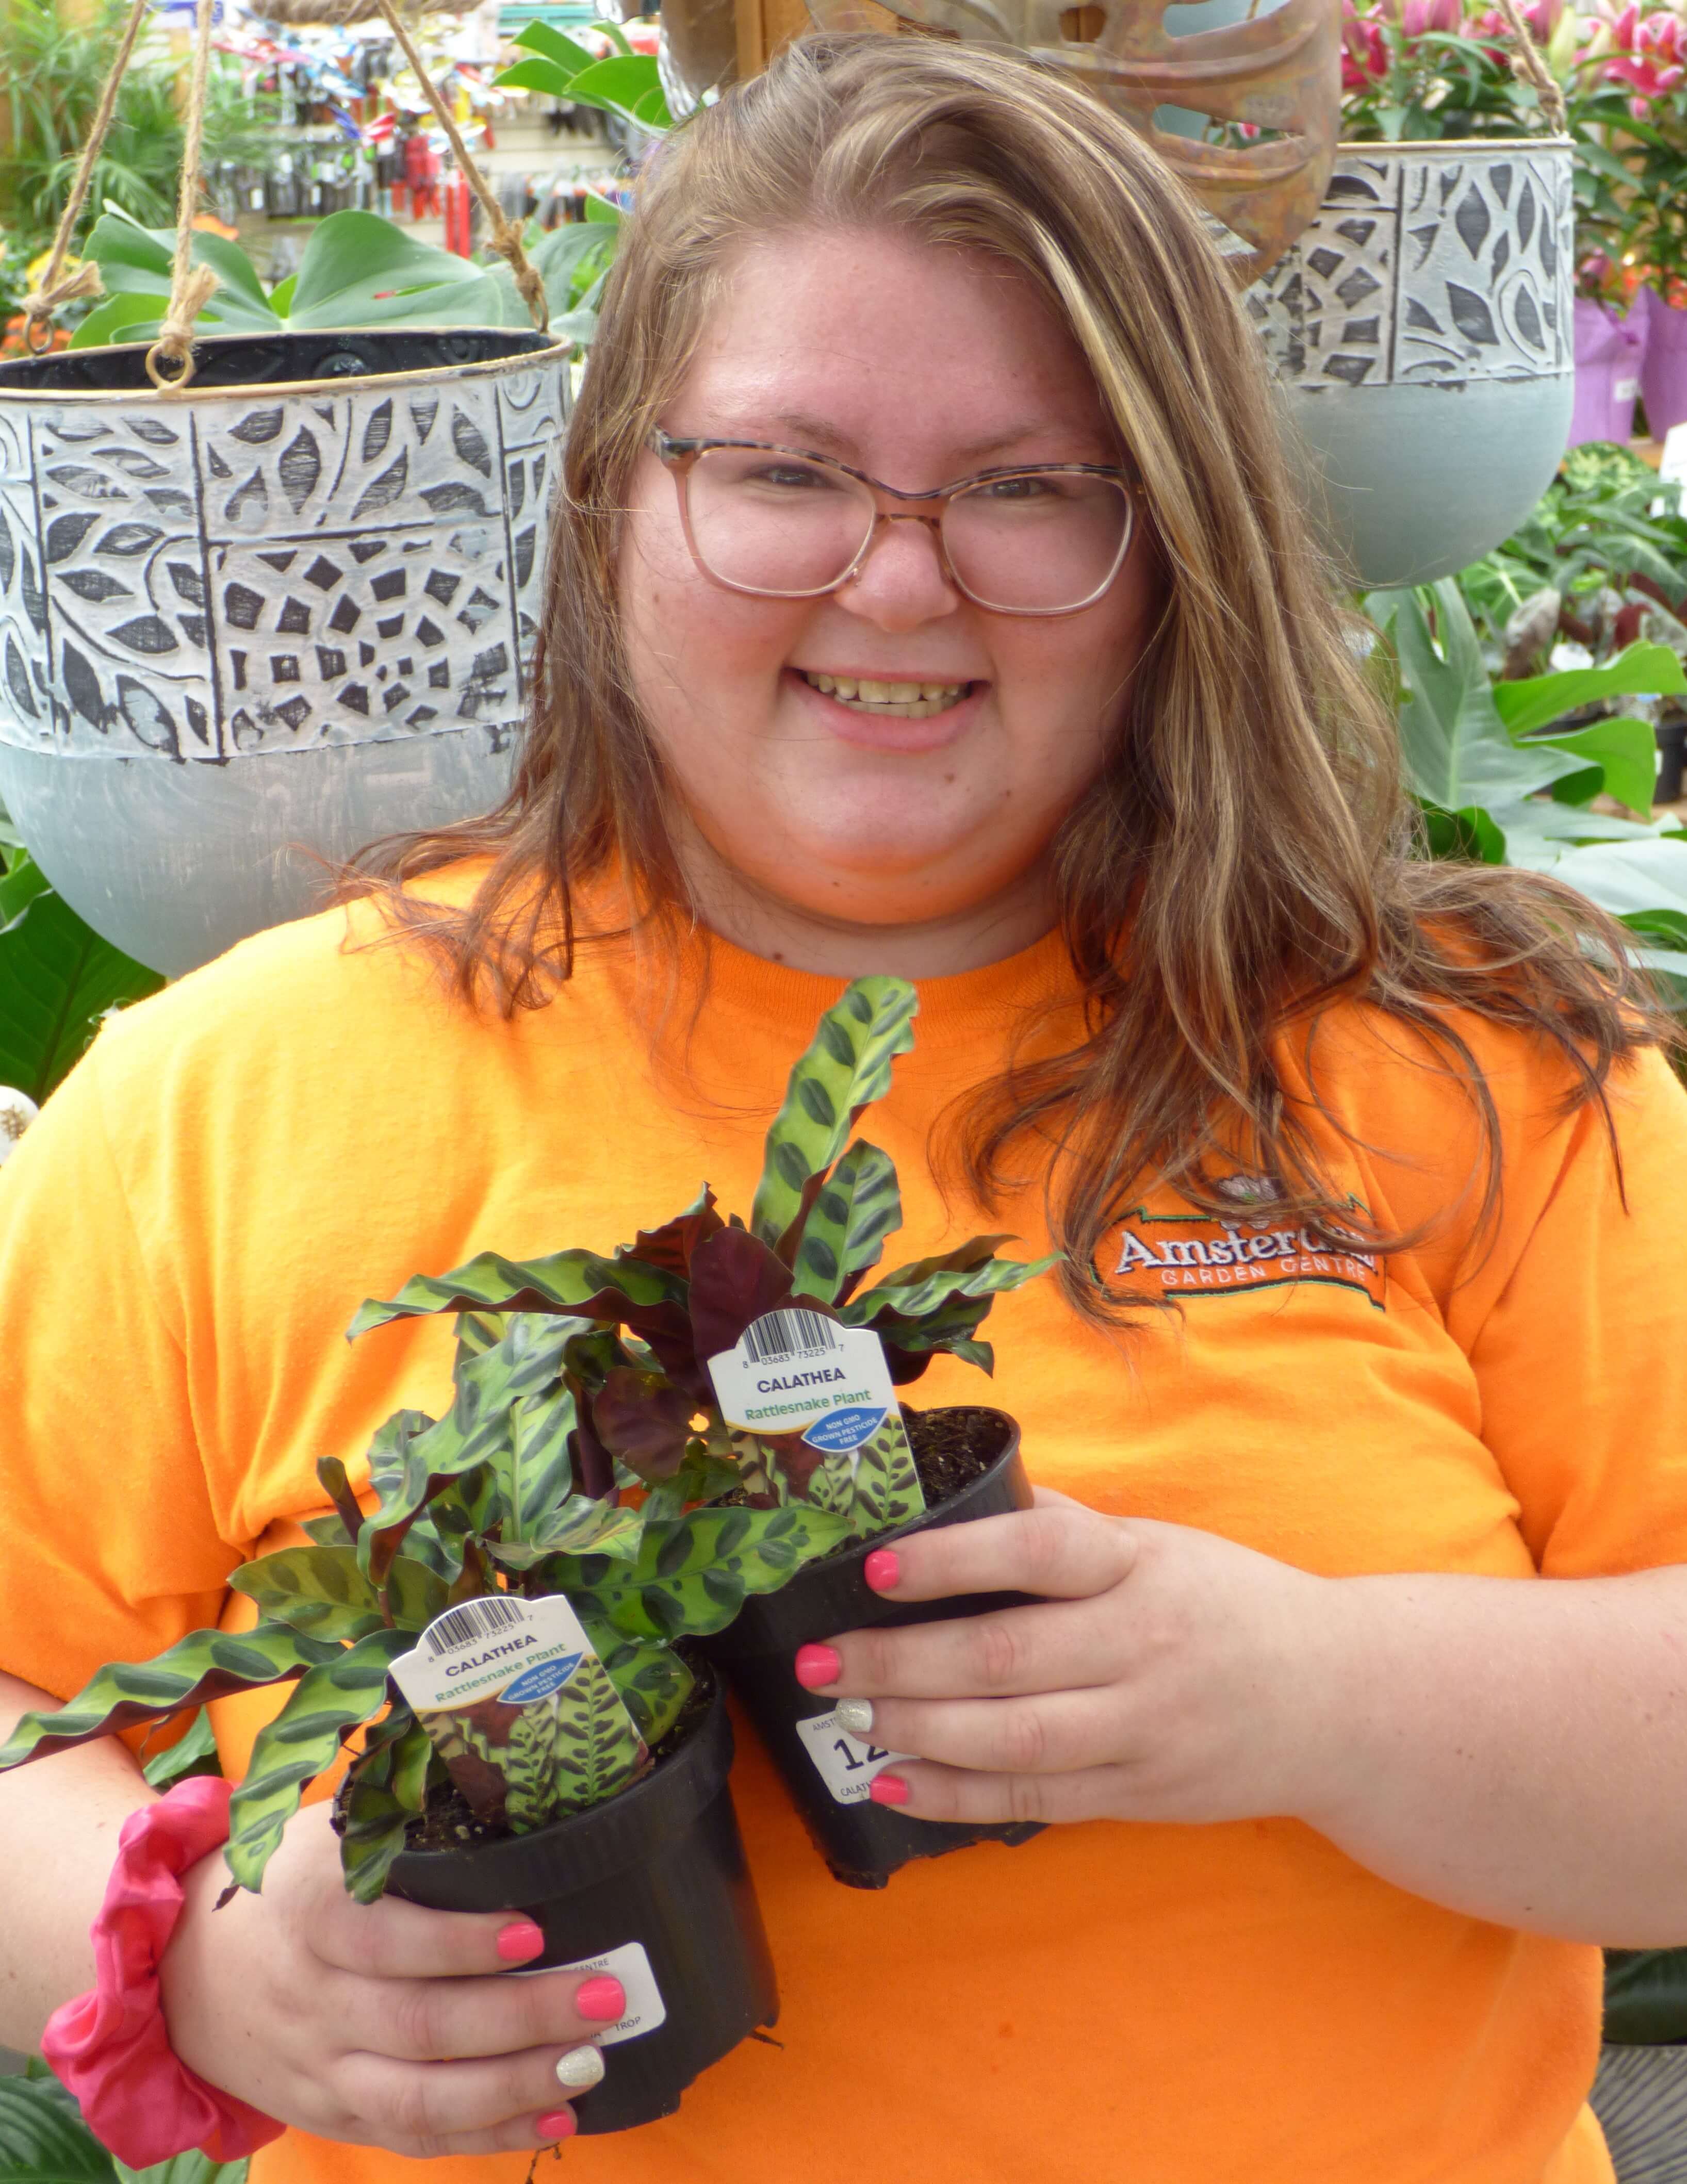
[[1421, 328], [264, 596]]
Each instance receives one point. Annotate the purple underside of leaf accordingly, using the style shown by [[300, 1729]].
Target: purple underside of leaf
[[735, 1277], [219, 1683], [594, 1467], [905, 1365], [384, 1546], [644, 1422], [669, 1248]]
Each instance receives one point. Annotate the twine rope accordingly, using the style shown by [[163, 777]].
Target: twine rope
[[506, 236], [191, 287], [1528, 67], [51, 290]]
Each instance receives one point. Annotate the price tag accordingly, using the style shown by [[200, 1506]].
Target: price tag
[[645, 2008], [845, 1764]]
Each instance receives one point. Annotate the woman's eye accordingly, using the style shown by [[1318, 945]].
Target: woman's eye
[[1020, 489], [794, 477]]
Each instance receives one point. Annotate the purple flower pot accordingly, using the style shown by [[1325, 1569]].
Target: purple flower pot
[[1663, 372], [1609, 354]]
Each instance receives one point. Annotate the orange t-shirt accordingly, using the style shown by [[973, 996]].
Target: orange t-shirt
[[185, 1233]]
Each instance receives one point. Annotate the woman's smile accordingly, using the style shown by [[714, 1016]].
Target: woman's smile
[[890, 711]]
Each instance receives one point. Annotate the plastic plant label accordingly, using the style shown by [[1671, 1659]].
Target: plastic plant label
[[801, 1372], [645, 2008], [845, 1764], [514, 1687]]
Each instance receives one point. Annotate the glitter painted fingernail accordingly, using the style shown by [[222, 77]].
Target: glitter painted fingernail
[[580, 2069], [856, 1716]]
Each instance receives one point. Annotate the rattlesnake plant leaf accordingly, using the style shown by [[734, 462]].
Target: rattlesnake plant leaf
[[643, 1421], [928, 1286], [592, 1749], [331, 1477], [303, 1742], [536, 1474], [692, 1576], [858, 1205], [669, 1248], [581, 1526], [322, 1591], [385, 1790], [578, 1282], [205, 1664], [886, 1488], [735, 1277], [846, 1067], [651, 1680], [526, 1361]]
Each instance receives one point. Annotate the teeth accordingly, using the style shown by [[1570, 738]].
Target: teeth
[[915, 701]]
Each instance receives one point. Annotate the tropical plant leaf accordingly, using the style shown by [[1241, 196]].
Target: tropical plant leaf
[[669, 1249], [579, 1283], [643, 1421], [193, 1752], [583, 1524], [536, 1475], [303, 1742], [385, 1790], [886, 1488], [206, 1664], [323, 1592], [43, 2139], [843, 1234], [691, 1576], [735, 1277], [926, 1287], [57, 980], [1536, 701], [570, 1754], [189, 2168], [846, 1067], [653, 1683]]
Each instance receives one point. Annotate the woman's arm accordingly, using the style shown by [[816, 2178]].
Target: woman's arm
[[1516, 1750], [56, 1866]]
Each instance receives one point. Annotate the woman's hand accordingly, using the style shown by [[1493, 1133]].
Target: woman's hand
[[382, 2024], [1171, 1675]]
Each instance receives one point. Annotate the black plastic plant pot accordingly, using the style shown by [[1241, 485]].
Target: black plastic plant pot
[[651, 1886], [826, 1773]]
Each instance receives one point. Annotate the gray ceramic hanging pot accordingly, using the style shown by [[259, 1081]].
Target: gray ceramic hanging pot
[[252, 624], [1422, 329]]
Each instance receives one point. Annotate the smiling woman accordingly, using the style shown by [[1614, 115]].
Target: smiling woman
[[929, 597]]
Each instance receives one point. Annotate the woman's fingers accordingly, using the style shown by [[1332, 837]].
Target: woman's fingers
[[1057, 1550], [428, 2020], [1054, 1734], [425, 2110], [1062, 1647], [394, 1940], [954, 1793]]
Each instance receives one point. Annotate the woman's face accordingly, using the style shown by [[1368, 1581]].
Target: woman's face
[[804, 810]]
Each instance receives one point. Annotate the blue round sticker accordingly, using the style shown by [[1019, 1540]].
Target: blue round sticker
[[539, 1681], [845, 1429]]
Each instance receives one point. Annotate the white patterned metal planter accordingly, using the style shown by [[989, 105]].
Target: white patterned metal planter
[[1421, 330], [258, 622]]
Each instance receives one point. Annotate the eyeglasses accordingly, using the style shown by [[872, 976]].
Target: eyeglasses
[[783, 524]]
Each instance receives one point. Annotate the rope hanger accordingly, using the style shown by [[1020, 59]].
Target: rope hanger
[[170, 360]]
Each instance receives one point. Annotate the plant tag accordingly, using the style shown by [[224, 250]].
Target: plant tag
[[645, 2008], [1625, 390], [844, 1762], [520, 1708], [801, 1372]]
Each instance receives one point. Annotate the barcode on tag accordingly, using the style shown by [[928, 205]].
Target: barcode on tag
[[475, 1618], [791, 1333]]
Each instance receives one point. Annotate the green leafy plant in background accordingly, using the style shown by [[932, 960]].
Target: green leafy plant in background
[[43, 2140], [1500, 779], [1601, 561], [58, 978], [583, 1454]]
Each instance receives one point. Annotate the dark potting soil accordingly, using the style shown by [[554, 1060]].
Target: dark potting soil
[[448, 1821], [952, 1447]]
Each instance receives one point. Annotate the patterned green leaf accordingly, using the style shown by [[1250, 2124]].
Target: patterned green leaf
[[652, 1681], [857, 1206], [846, 1067], [206, 1664], [887, 1488], [594, 1748], [582, 1525], [691, 1576], [303, 1742], [194, 1752], [911, 1293], [43, 2137], [574, 1282], [317, 1590], [385, 1789], [537, 1474]]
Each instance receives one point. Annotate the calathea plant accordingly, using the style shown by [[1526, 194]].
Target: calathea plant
[[596, 1492]]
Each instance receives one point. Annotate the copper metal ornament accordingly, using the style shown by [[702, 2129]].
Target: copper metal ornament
[[1280, 72]]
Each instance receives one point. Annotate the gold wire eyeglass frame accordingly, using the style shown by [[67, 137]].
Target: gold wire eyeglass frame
[[680, 457]]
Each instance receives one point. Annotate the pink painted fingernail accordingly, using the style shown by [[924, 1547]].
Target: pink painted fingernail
[[556, 2124], [889, 1789], [519, 1941], [818, 1666], [883, 1569], [602, 1999]]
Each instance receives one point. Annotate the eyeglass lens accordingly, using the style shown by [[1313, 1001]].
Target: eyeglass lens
[[773, 523]]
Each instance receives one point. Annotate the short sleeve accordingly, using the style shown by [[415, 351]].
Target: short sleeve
[[108, 1550], [1581, 1358]]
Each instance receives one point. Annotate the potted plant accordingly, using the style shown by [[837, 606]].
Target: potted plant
[[637, 1445]]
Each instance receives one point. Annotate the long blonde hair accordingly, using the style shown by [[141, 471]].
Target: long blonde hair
[[1245, 856]]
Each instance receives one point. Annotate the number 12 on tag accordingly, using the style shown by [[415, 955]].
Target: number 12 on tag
[[844, 1762]]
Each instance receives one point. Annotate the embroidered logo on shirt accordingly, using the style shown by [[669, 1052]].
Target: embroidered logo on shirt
[[1257, 1250]]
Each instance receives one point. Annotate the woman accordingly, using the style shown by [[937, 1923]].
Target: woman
[[1369, 1174]]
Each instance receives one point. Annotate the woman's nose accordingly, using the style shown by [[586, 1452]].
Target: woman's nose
[[902, 583]]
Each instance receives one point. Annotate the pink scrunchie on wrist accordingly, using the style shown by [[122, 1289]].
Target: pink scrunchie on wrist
[[110, 2046]]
